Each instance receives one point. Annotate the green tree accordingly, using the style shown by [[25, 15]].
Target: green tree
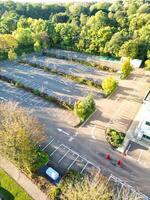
[[8, 22], [19, 133], [24, 37], [117, 40], [109, 85], [83, 108], [126, 68], [147, 64], [134, 49]]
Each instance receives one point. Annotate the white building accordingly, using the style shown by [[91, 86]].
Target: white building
[[142, 131]]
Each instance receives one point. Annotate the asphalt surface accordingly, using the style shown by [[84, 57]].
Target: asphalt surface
[[25, 99], [93, 150], [83, 57], [52, 85], [70, 68], [88, 148]]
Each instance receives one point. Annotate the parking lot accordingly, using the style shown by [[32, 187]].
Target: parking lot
[[25, 99], [52, 85], [70, 68], [71, 55], [123, 189], [64, 159]]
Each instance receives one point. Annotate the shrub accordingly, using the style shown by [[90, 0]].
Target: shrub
[[109, 85], [83, 108], [37, 46], [126, 68], [114, 137], [12, 55], [41, 160], [147, 64], [76, 186]]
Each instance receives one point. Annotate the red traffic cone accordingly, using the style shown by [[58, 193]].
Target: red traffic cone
[[119, 163], [107, 156]]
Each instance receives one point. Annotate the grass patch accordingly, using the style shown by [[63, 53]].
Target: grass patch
[[114, 138], [10, 189]]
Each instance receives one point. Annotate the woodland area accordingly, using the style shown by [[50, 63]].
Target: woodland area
[[118, 29]]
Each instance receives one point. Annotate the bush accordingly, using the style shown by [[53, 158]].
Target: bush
[[41, 160], [126, 68], [114, 137], [12, 55], [109, 85], [84, 108], [76, 186], [147, 64]]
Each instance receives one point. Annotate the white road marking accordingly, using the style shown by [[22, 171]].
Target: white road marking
[[70, 139], [66, 90], [48, 144], [55, 150], [92, 133], [76, 134], [140, 155], [63, 156], [60, 130], [73, 162], [84, 167]]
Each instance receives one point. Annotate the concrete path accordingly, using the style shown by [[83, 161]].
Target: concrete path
[[22, 180]]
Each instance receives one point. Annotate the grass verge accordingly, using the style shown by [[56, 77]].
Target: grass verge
[[10, 190]]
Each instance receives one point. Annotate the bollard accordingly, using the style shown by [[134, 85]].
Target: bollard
[[107, 156], [119, 163]]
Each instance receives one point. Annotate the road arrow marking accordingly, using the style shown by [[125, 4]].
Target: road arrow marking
[[60, 130]]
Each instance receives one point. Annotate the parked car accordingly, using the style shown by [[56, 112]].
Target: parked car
[[50, 174]]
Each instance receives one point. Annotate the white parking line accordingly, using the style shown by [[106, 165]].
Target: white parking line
[[56, 149], [140, 155], [63, 156], [84, 167], [77, 156], [73, 162], [48, 144], [92, 132]]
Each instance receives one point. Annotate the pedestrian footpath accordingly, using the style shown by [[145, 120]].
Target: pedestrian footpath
[[22, 180]]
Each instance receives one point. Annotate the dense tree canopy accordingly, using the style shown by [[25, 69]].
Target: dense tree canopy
[[115, 29]]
